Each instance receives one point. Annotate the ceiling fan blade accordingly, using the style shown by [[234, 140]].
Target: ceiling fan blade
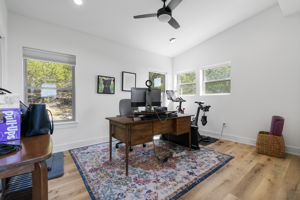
[[145, 16], [173, 4], [174, 23]]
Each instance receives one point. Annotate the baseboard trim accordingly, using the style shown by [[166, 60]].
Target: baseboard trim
[[65, 147], [77, 144], [292, 150], [288, 148]]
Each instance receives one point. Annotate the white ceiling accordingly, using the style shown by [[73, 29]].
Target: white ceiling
[[113, 20]]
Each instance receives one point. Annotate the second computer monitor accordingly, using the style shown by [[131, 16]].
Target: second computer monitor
[[138, 97], [155, 95]]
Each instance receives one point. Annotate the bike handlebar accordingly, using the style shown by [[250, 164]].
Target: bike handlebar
[[200, 102]]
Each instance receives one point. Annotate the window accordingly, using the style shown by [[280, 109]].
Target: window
[[216, 79], [159, 81], [186, 83], [49, 79]]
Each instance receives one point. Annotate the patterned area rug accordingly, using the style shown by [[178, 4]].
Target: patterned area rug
[[148, 178]]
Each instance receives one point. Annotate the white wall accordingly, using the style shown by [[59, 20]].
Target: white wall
[[3, 41], [289, 7], [3, 18], [264, 52], [95, 56]]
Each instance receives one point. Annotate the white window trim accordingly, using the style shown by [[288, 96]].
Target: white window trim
[[202, 82], [68, 123], [65, 124], [222, 64], [177, 84]]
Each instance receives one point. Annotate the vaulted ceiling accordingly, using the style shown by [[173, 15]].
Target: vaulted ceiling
[[113, 20]]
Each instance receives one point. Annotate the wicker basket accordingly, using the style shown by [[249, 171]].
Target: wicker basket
[[270, 145]]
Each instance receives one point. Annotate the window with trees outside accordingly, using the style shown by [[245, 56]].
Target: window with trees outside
[[159, 81], [216, 79], [49, 79], [186, 83]]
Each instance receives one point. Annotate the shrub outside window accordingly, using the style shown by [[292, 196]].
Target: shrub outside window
[[50, 80]]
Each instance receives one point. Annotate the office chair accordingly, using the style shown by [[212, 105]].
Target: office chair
[[125, 109]]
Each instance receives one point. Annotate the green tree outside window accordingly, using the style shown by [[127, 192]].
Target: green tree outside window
[[52, 84], [186, 83], [217, 80]]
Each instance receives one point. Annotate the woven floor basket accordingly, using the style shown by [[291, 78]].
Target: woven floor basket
[[270, 145]]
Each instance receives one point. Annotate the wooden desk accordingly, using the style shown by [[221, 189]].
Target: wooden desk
[[140, 132], [32, 158]]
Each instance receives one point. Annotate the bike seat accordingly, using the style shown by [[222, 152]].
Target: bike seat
[[179, 99], [200, 102]]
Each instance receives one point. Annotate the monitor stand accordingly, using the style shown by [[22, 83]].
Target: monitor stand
[[148, 101]]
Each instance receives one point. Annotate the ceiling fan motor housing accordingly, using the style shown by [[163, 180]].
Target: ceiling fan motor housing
[[164, 14]]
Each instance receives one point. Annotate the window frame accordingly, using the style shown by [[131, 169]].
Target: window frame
[[191, 83], [63, 89], [202, 82]]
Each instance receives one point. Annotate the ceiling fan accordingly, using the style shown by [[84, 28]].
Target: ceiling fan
[[164, 14]]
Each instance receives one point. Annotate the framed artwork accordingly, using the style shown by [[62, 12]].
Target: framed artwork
[[105, 85], [128, 81]]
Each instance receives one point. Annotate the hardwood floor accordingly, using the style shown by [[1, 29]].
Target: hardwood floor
[[248, 176]]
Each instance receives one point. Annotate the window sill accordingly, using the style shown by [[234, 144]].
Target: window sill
[[69, 124]]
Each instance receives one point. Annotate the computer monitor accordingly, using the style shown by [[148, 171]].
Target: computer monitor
[[155, 95], [139, 97]]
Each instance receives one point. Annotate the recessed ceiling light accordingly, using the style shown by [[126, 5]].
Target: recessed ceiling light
[[172, 40], [78, 2]]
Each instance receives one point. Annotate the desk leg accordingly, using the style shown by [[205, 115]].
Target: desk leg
[[110, 141], [126, 157], [126, 149], [40, 181], [190, 140]]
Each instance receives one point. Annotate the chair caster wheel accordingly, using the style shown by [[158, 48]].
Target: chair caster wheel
[[130, 149], [144, 145]]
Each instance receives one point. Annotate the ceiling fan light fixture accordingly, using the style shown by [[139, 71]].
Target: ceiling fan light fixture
[[172, 40], [78, 2], [164, 14], [164, 17]]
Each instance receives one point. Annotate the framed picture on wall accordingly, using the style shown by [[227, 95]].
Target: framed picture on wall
[[105, 85], [128, 81]]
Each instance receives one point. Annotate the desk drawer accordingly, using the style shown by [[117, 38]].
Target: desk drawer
[[183, 125], [161, 127], [141, 133]]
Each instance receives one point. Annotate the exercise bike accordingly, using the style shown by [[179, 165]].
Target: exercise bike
[[171, 96], [196, 138], [203, 140]]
